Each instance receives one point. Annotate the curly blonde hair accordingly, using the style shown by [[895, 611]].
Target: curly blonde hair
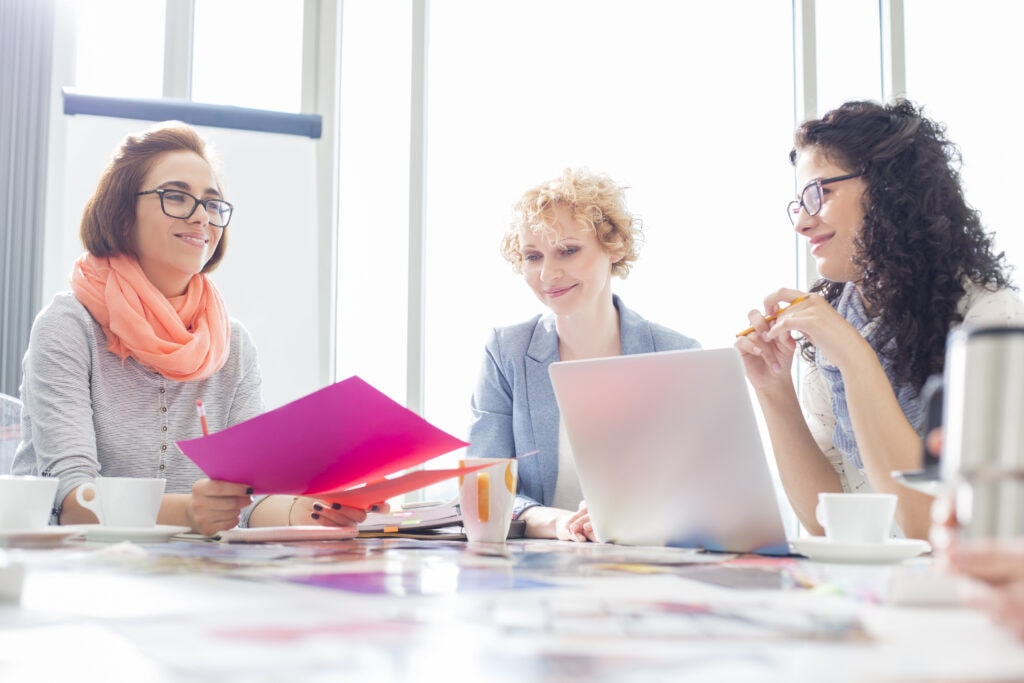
[[595, 200]]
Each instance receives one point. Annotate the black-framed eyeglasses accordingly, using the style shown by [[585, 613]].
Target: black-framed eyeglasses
[[180, 204], [812, 197]]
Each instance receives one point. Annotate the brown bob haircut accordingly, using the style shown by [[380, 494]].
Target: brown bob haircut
[[108, 220]]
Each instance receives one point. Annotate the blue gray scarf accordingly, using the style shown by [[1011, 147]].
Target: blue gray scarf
[[851, 307]]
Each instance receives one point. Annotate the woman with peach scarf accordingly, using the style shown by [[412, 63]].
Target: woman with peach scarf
[[114, 368]]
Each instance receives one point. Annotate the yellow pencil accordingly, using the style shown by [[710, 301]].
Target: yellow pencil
[[773, 316]]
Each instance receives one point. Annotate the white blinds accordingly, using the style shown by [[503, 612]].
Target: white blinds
[[26, 55]]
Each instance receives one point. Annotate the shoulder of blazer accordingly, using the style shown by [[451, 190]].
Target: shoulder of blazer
[[535, 338]]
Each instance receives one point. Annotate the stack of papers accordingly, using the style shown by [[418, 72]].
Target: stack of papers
[[414, 518]]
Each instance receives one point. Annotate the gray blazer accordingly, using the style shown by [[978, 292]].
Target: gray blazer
[[514, 407]]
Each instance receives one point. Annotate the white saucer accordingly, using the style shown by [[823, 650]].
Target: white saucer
[[932, 487], [154, 534], [821, 549], [47, 537]]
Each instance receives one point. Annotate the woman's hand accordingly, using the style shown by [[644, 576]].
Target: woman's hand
[[768, 359], [815, 319], [575, 526], [306, 510], [1000, 565], [216, 505]]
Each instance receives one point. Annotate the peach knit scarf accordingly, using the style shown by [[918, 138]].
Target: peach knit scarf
[[184, 338]]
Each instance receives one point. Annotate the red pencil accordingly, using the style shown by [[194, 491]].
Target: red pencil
[[202, 417]]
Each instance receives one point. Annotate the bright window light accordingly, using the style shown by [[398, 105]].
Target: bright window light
[[109, 30], [248, 53]]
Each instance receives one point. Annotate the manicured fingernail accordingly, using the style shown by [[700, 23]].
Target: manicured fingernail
[[318, 507], [248, 491], [375, 508], [335, 506], [315, 515]]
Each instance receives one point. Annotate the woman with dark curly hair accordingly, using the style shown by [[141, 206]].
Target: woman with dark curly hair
[[902, 258], [568, 237]]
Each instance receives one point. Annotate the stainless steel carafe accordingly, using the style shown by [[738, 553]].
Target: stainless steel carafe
[[983, 429]]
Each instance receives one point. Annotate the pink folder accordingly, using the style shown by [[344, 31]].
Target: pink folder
[[376, 492], [339, 437]]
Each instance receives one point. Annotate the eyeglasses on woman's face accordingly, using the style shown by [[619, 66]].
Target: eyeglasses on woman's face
[[812, 196], [180, 204]]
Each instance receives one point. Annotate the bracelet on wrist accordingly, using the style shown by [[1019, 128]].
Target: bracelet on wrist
[[291, 509]]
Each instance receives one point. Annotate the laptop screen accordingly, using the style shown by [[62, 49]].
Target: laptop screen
[[668, 450]]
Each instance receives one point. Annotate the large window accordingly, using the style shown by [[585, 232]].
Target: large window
[[373, 226], [967, 88], [666, 99], [848, 52], [248, 53], [119, 47]]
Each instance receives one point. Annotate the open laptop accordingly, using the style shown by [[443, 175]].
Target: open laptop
[[668, 451]]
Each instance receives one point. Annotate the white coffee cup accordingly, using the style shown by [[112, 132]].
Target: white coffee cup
[[856, 517], [486, 497], [131, 502], [26, 502]]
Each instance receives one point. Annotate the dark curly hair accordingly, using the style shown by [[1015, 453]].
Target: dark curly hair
[[920, 241]]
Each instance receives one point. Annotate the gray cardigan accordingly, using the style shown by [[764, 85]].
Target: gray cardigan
[[514, 407], [87, 413]]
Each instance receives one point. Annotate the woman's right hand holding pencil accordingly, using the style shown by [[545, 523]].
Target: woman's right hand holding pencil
[[768, 345], [768, 355]]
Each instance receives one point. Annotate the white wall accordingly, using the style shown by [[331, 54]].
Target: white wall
[[269, 276]]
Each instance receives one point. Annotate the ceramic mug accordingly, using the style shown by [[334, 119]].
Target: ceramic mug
[[486, 497], [856, 517], [130, 502], [26, 502]]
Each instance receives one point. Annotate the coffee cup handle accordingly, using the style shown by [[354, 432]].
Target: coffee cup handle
[[93, 504], [819, 514]]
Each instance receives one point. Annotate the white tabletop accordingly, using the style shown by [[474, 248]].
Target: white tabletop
[[388, 610]]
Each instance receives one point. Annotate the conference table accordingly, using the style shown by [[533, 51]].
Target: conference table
[[383, 610]]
